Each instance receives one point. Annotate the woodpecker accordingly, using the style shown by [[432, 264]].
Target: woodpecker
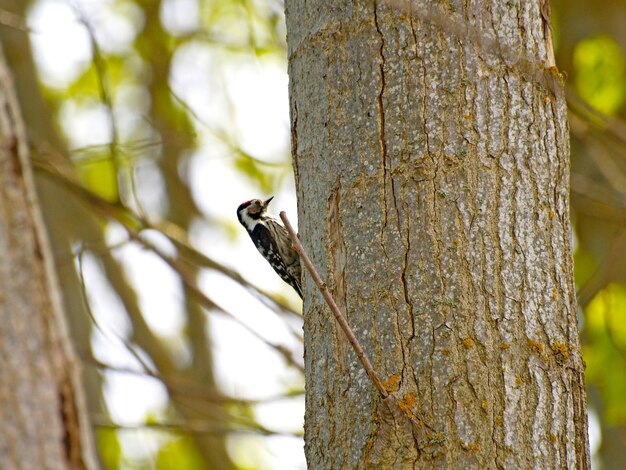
[[272, 240]]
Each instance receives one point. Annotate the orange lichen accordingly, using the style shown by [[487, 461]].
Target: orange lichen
[[468, 342], [407, 403], [551, 214], [437, 438], [536, 346], [392, 383], [505, 346], [469, 446], [445, 352], [553, 438]]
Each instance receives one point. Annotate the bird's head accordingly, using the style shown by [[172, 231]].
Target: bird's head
[[250, 211]]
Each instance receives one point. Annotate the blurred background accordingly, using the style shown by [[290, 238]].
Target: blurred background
[[150, 122]]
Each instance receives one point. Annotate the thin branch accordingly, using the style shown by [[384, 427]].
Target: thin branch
[[207, 303], [597, 119], [341, 319], [223, 136], [104, 89], [605, 271], [11, 20], [195, 427], [94, 320], [187, 388]]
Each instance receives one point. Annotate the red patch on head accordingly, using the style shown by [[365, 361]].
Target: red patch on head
[[246, 204]]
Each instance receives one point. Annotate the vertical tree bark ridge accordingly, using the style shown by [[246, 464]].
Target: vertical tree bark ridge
[[445, 151], [41, 405]]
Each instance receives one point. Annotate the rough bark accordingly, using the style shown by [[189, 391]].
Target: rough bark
[[45, 423], [67, 219], [431, 153]]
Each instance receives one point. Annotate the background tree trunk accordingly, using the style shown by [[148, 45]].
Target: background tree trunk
[[72, 223], [41, 399], [68, 220], [431, 157]]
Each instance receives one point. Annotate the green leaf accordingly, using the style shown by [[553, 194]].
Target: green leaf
[[605, 350], [99, 174], [179, 454], [600, 73], [109, 448]]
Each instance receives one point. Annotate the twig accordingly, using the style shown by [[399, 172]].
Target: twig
[[191, 284], [194, 427], [341, 319], [11, 20], [110, 335], [189, 388]]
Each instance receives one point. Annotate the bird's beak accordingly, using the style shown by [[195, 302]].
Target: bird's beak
[[267, 201]]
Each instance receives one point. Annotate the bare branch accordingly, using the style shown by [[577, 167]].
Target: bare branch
[[339, 316], [190, 389], [196, 427], [11, 20]]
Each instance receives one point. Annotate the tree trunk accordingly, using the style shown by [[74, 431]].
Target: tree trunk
[[45, 423], [431, 159], [69, 222]]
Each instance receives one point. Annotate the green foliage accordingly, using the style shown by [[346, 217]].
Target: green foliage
[[255, 171], [584, 265], [99, 174], [601, 73], [109, 447], [89, 82], [179, 454], [605, 350]]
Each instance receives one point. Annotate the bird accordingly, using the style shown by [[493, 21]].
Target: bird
[[272, 240]]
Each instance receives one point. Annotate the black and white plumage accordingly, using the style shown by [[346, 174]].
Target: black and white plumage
[[272, 240]]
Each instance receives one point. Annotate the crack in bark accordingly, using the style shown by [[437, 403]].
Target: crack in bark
[[71, 425], [335, 247], [405, 267], [381, 111], [294, 141]]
